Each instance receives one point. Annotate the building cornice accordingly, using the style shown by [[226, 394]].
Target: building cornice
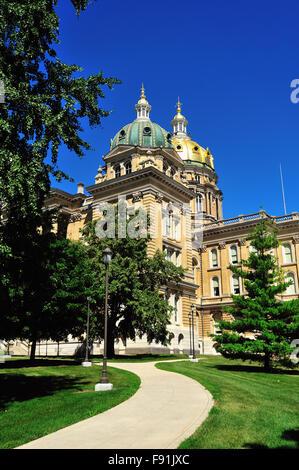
[[65, 195], [139, 175]]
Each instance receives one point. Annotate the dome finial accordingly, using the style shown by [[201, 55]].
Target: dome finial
[[142, 92], [178, 105]]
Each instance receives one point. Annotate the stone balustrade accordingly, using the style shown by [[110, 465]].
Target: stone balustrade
[[255, 216]]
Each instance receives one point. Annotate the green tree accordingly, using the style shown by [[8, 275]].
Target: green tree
[[136, 305], [49, 296], [69, 286], [272, 322], [45, 103]]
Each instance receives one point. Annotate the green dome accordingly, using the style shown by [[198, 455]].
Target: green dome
[[144, 134]]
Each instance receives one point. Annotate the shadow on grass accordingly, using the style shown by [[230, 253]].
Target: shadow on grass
[[21, 363], [288, 435], [256, 369], [140, 357], [18, 387]]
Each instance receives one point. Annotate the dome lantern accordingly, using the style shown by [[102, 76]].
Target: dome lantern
[[143, 107], [179, 123]]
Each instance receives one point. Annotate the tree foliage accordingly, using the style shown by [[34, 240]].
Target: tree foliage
[[43, 293], [136, 305], [271, 322], [45, 102]]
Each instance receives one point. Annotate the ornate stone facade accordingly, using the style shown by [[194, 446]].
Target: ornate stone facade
[[176, 182]]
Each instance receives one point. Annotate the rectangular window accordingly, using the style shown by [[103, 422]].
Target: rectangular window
[[214, 258], [168, 224], [163, 217], [177, 228], [236, 285], [198, 203], [234, 255]]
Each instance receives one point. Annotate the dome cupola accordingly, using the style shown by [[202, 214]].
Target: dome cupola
[[143, 107], [179, 122], [189, 151], [142, 132]]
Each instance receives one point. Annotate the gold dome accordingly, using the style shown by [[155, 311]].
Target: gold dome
[[191, 151]]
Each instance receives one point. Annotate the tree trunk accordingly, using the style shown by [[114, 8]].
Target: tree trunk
[[33, 349], [267, 363], [110, 345]]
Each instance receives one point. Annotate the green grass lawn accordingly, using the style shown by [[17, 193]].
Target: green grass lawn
[[35, 401], [252, 409]]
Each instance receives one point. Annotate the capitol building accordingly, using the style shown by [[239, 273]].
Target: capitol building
[[174, 178]]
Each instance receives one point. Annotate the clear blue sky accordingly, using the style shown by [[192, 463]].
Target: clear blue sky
[[231, 63]]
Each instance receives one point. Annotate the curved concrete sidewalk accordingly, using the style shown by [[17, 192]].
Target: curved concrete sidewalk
[[167, 408]]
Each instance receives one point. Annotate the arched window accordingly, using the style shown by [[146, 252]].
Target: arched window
[[213, 257], [215, 287], [234, 254], [292, 287], [180, 338], [235, 285], [164, 168], [128, 168], [287, 253], [198, 203], [117, 171], [172, 172]]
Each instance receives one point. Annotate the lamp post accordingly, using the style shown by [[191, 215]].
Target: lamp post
[[86, 362], [190, 354], [202, 333], [104, 382], [193, 359], [192, 315]]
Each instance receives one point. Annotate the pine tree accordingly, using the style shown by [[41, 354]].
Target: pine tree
[[269, 322]]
